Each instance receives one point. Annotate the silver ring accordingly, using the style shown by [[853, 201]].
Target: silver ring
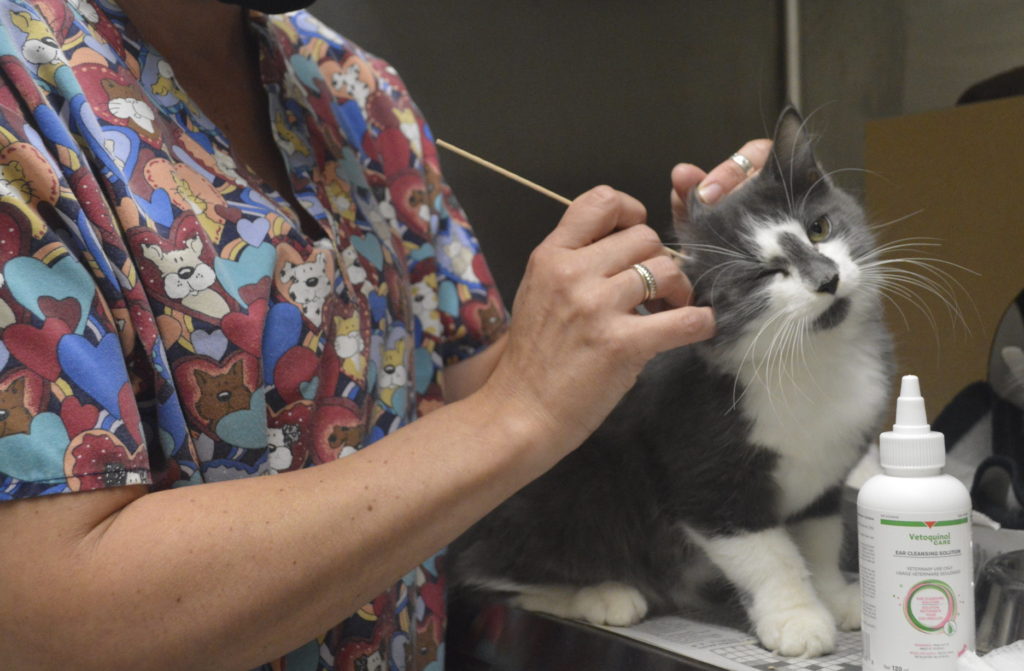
[[650, 285], [743, 162]]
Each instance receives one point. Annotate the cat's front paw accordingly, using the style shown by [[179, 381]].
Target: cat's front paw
[[611, 603], [844, 604], [803, 631]]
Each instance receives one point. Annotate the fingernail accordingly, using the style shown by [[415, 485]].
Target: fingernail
[[710, 193]]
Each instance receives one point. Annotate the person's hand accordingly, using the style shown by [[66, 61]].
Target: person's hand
[[712, 186], [576, 342]]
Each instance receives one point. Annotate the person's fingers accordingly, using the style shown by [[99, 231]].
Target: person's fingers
[[732, 172], [677, 293], [685, 177], [666, 330], [595, 214], [621, 249], [633, 286]]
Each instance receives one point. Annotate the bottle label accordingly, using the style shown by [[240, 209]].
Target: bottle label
[[917, 590]]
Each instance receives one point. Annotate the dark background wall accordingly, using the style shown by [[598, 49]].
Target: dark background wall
[[575, 93]]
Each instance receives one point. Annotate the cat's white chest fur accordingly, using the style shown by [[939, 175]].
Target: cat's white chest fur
[[813, 412]]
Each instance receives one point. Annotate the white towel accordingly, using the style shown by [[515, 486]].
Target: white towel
[[1007, 658]]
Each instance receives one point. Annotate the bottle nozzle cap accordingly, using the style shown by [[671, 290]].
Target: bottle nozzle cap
[[911, 446], [910, 411], [910, 386]]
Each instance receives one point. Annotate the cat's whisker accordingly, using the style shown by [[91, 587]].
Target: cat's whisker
[[727, 243], [781, 356], [719, 275], [806, 343], [933, 263], [895, 286], [779, 361], [767, 364], [825, 176], [893, 302], [747, 354], [939, 286], [892, 222], [948, 281], [714, 249], [794, 345], [915, 244], [931, 271], [941, 280]]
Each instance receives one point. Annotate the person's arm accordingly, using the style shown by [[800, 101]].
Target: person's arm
[[228, 575]]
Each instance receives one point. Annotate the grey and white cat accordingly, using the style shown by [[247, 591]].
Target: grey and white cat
[[720, 473]]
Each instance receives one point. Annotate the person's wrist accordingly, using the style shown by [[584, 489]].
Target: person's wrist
[[517, 414]]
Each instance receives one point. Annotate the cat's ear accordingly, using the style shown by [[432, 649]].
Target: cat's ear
[[792, 160]]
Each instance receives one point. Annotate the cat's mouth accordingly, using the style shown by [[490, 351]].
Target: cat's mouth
[[833, 316]]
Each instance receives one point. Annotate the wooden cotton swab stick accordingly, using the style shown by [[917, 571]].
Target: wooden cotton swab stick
[[501, 171], [522, 180]]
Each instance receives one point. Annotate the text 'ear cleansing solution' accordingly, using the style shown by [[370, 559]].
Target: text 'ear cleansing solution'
[[914, 531]]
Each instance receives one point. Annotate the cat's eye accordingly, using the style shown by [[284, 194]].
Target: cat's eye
[[820, 229]]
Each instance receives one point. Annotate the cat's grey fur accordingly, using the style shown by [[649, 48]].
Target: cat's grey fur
[[720, 472]]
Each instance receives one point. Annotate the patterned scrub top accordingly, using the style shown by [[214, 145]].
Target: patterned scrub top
[[164, 320]]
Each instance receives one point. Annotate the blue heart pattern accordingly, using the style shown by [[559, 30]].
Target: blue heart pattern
[[158, 207], [30, 279], [212, 344], [282, 332], [309, 388], [369, 248], [98, 370], [253, 264], [39, 454], [253, 231]]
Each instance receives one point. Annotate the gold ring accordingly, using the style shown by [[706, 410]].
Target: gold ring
[[650, 285], [743, 162]]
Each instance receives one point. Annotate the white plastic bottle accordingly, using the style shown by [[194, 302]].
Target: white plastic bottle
[[914, 531]]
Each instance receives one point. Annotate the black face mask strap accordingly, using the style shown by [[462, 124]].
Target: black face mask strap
[[271, 6]]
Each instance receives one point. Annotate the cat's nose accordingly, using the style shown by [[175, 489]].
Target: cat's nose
[[830, 285]]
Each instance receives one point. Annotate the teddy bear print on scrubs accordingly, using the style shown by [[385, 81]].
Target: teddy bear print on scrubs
[[425, 304], [354, 270], [349, 346], [126, 103], [393, 375], [187, 278]]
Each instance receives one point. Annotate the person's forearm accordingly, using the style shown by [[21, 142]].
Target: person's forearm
[[465, 377], [232, 574]]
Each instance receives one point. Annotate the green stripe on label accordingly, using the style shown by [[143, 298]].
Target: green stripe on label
[[940, 523], [949, 523]]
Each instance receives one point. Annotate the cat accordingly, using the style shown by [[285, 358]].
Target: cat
[[719, 474]]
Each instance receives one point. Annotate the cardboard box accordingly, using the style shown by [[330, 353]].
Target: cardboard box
[[964, 169]]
